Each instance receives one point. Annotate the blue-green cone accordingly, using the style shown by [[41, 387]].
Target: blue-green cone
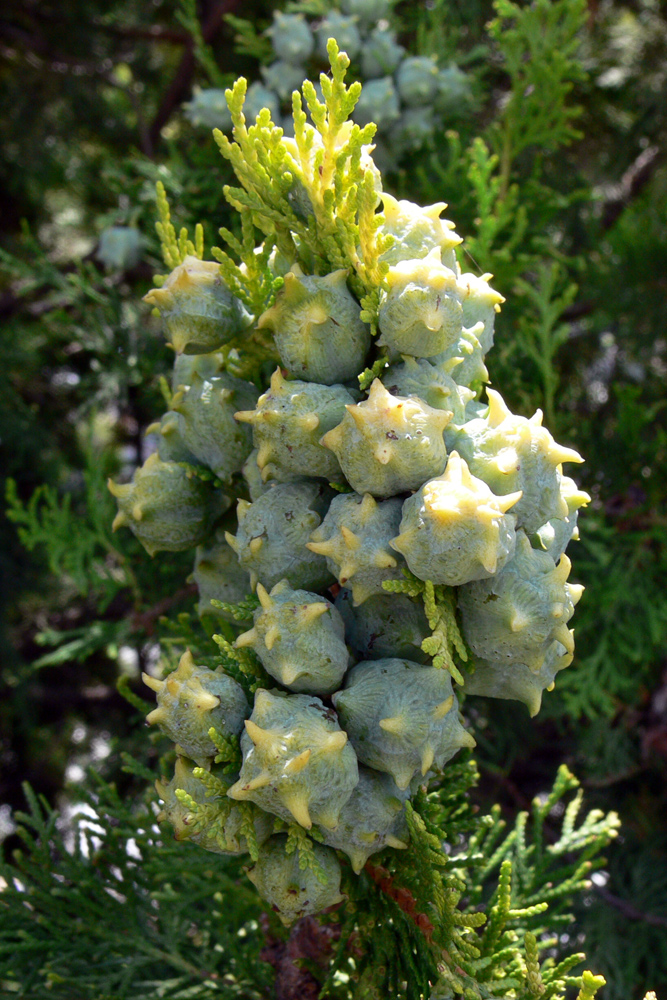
[[208, 426], [292, 891], [372, 818], [193, 699], [270, 542], [167, 510], [401, 717], [297, 761], [300, 639]]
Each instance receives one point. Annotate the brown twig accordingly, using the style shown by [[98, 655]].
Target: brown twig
[[628, 910], [179, 86], [144, 621], [632, 183]]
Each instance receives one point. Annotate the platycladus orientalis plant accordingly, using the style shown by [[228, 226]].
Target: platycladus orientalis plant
[[377, 536]]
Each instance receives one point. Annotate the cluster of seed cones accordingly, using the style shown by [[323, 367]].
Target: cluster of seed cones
[[341, 494]]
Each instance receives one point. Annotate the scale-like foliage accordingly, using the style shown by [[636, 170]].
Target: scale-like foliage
[[112, 907], [479, 916]]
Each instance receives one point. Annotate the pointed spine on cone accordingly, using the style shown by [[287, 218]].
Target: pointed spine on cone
[[282, 520], [166, 509], [420, 312], [299, 638], [220, 827], [389, 444], [372, 818], [192, 700], [305, 765], [354, 538], [292, 890], [454, 529], [198, 311], [517, 615], [417, 231], [287, 424], [317, 328], [511, 453], [394, 714]]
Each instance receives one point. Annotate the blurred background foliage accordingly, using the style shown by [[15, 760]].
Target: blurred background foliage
[[553, 165]]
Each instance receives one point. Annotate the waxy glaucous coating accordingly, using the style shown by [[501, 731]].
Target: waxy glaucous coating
[[252, 474], [354, 538], [316, 326], [343, 29], [454, 529], [209, 109], [517, 614], [119, 247], [453, 95], [165, 508], [219, 578], [367, 10], [208, 426], [297, 761], [511, 453], [417, 231], [401, 717], [378, 103], [300, 639], [287, 425], [420, 501], [372, 818], [413, 104], [516, 681], [270, 542], [469, 368], [433, 384], [421, 313], [381, 53], [283, 78], [257, 97], [193, 699], [417, 80], [389, 444], [480, 304], [291, 37], [198, 311], [413, 129], [554, 536], [385, 625], [186, 366], [292, 891], [170, 444], [178, 814]]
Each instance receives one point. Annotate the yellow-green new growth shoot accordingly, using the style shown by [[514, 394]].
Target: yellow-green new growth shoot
[[314, 197], [440, 608], [175, 248]]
